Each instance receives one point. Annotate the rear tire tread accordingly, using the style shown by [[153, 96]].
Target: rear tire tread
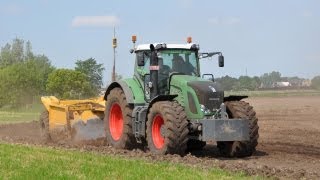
[[175, 122], [127, 139], [241, 109]]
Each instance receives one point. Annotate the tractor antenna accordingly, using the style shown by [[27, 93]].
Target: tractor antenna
[[114, 45]]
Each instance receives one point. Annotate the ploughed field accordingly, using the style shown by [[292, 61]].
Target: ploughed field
[[289, 143]]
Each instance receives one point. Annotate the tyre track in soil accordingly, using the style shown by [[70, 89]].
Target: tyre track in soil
[[289, 146]]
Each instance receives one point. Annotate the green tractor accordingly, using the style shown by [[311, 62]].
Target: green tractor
[[168, 107]]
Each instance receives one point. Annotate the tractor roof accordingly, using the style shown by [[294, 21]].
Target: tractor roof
[[169, 46]]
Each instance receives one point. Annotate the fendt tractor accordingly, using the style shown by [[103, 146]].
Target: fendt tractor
[[166, 106]]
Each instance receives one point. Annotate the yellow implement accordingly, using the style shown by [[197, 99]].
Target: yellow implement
[[67, 114]]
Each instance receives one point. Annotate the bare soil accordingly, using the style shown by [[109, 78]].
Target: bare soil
[[289, 143]]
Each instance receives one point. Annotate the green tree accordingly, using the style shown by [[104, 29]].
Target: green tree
[[68, 83], [23, 75], [227, 82], [93, 71], [315, 82], [246, 83], [21, 82], [5, 56], [28, 51], [40, 66], [257, 81], [17, 50], [17, 85], [268, 79]]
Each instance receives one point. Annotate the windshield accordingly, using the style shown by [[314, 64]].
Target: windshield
[[181, 61], [174, 60], [170, 61]]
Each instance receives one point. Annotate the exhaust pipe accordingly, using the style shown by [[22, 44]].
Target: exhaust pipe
[[154, 68]]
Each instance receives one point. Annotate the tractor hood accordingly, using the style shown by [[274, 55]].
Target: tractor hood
[[197, 91], [209, 93]]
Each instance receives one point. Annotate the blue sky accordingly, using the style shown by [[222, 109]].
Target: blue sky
[[260, 36]]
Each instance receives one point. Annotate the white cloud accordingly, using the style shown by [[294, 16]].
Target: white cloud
[[95, 21], [224, 21]]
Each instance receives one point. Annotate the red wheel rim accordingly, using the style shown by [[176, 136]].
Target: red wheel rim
[[115, 121], [158, 139]]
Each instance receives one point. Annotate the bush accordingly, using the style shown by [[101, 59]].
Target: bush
[[22, 81], [68, 84], [315, 82]]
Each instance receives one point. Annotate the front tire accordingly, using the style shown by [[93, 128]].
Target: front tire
[[167, 128], [118, 120], [241, 109]]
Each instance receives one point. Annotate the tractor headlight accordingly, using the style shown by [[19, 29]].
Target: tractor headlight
[[205, 110], [202, 107]]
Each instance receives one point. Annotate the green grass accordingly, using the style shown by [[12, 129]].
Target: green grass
[[275, 93], [32, 162], [23, 114]]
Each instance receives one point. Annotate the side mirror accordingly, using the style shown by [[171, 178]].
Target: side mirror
[[221, 61], [140, 59], [209, 77]]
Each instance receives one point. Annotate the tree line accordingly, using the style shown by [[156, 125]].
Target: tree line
[[265, 81], [25, 76]]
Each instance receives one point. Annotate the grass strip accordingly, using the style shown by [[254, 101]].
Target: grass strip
[[33, 162]]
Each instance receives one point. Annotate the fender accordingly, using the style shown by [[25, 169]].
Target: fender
[[161, 98], [126, 89]]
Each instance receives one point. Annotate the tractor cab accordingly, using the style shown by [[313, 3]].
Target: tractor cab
[[172, 59]]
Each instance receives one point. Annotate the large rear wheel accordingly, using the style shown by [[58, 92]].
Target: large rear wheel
[[167, 128], [241, 109], [118, 120]]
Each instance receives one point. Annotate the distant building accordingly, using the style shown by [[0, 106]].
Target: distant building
[[281, 84], [306, 83]]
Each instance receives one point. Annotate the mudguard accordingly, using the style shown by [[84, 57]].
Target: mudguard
[[162, 98], [131, 89]]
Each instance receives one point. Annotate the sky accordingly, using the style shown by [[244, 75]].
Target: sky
[[255, 36]]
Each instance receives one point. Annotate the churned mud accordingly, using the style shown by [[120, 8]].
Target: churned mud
[[289, 143]]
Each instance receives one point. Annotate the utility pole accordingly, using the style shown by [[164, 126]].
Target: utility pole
[[114, 45]]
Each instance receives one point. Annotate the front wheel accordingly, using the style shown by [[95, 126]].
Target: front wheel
[[118, 121], [241, 109], [167, 128]]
